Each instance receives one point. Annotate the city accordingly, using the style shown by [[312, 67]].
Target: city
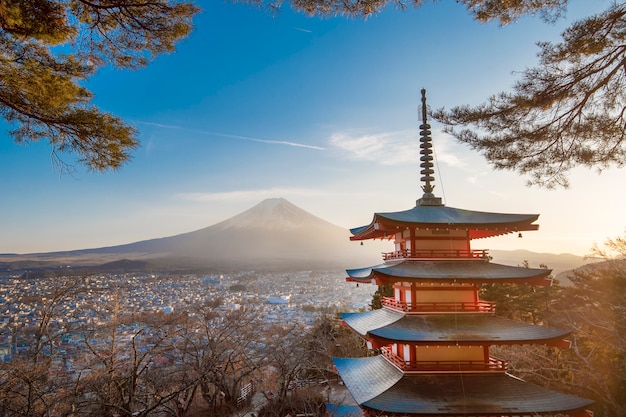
[[296, 297]]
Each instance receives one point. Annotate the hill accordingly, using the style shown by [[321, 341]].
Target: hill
[[557, 262]]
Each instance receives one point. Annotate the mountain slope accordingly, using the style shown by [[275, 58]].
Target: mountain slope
[[275, 232]]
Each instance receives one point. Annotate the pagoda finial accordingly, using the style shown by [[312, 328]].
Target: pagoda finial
[[427, 159]]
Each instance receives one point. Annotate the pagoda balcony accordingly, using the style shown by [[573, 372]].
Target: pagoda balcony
[[461, 254], [438, 307], [493, 365]]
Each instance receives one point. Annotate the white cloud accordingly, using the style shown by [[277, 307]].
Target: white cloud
[[383, 148], [445, 152], [394, 148]]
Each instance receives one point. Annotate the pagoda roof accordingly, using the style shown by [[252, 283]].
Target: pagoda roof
[[479, 224], [343, 410], [451, 271], [436, 329], [377, 384]]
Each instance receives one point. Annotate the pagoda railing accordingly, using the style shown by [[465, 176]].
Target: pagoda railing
[[479, 254], [492, 365], [439, 307]]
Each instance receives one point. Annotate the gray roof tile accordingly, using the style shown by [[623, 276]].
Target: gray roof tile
[[450, 216], [448, 328], [457, 394], [449, 271]]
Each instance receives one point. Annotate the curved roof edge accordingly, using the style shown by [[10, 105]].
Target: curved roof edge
[[367, 377], [363, 322], [388, 326], [480, 224], [451, 271], [376, 384], [460, 329]]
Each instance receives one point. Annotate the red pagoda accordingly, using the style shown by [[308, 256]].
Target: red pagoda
[[434, 334]]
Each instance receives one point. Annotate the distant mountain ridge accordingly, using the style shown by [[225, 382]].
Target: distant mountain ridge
[[273, 234], [557, 262]]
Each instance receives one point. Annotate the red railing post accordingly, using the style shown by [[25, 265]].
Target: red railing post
[[455, 253]]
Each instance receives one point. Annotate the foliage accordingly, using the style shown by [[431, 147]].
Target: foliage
[[328, 338], [220, 350], [520, 302], [65, 365], [307, 402], [593, 307], [78, 356], [614, 250], [384, 290], [566, 112], [27, 387], [289, 356], [49, 47], [505, 11], [596, 311], [131, 375]]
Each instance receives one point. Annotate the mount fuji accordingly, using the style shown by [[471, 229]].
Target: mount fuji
[[273, 234]]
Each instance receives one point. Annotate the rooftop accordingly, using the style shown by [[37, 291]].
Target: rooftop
[[470, 271], [378, 385], [442, 329]]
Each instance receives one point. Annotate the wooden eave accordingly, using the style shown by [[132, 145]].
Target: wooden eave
[[384, 327], [377, 385], [379, 342], [381, 279], [388, 231], [478, 224], [459, 271]]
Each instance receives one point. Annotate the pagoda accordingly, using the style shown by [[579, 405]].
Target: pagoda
[[433, 337]]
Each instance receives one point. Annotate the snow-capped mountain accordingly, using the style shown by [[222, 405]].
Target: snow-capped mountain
[[273, 233], [273, 214]]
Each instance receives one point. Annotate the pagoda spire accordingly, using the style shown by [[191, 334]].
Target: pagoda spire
[[427, 172]]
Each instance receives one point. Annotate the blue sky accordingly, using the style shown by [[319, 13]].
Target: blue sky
[[322, 112]]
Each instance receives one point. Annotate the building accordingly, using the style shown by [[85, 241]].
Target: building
[[434, 335]]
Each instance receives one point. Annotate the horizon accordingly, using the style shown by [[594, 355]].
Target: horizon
[[266, 202], [322, 112]]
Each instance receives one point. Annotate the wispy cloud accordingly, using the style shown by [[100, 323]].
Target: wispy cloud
[[369, 147], [445, 153], [240, 137], [392, 148], [303, 30]]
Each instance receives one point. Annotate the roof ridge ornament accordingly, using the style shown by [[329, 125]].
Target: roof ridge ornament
[[428, 198]]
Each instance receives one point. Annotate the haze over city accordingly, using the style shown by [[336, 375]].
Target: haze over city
[[322, 112]]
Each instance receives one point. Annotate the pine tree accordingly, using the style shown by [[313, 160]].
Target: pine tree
[[568, 111], [40, 81], [384, 290]]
